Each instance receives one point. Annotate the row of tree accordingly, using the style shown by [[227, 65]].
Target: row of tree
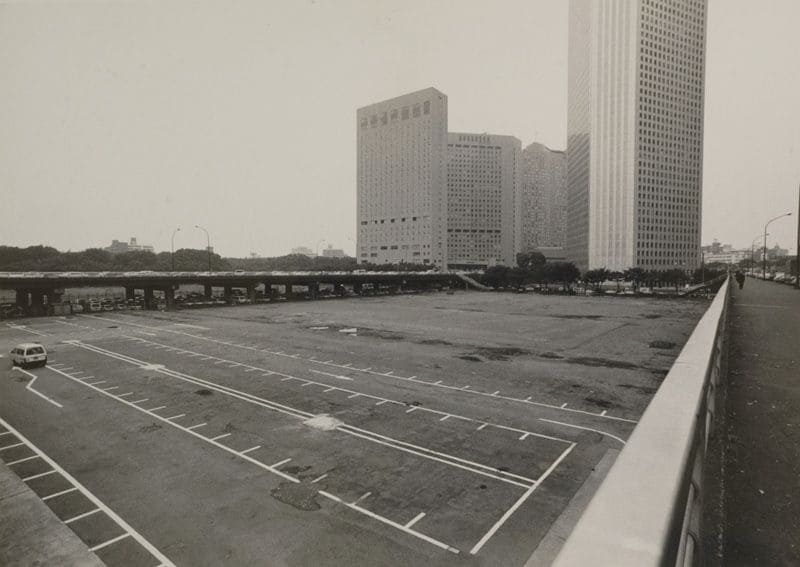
[[533, 268], [49, 259]]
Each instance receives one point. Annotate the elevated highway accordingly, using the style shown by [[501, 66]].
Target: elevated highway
[[34, 290]]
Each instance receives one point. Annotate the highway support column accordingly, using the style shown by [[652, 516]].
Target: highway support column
[[148, 298], [169, 298], [37, 302]]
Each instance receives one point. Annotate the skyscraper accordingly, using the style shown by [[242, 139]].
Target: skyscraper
[[483, 224], [544, 197], [635, 133], [402, 180]]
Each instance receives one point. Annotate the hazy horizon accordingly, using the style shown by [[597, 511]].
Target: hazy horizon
[[130, 119]]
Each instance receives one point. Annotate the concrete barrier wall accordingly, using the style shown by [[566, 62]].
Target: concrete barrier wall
[[647, 512]]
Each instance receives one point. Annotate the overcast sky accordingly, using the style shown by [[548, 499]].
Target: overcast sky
[[130, 119]]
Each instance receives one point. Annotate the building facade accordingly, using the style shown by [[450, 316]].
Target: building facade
[[119, 247], [635, 133], [483, 209], [402, 180], [543, 198], [331, 252]]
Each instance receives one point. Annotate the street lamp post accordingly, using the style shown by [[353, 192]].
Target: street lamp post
[[172, 248], [208, 245], [753, 255], [764, 259]]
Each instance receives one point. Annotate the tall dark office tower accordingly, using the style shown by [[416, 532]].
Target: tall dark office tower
[[635, 133]]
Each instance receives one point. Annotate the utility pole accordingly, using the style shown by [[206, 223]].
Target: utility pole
[[764, 262], [797, 245]]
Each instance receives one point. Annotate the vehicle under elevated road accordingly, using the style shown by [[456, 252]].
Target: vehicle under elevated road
[[399, 430]]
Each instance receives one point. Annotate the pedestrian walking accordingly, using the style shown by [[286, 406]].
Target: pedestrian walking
[[740, 278]]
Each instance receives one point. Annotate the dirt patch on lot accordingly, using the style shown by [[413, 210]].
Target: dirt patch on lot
[[434, 342], [662, 344], [301, 496], [482, 354], [150, 428], [605, 362]]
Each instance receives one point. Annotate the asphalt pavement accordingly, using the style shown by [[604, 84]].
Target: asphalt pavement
[[421, 430], [762, 464]]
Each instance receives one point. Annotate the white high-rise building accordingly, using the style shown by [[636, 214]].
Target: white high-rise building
[[483, 209], [402, 180], [635, 133]]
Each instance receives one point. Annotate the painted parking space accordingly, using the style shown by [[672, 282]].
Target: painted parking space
[[302, 441], [469, 384], [391, 468], [99, 527]]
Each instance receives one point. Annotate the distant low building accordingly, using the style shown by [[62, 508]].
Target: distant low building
[[727, 257], [776, 252], [119, 247], [304, 250], [331, 252]]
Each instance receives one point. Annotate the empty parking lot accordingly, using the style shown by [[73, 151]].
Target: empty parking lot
[[429, 429]]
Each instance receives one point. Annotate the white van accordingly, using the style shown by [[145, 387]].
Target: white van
[[28, 354]]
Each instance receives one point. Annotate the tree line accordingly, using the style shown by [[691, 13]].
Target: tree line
[[533, 268]]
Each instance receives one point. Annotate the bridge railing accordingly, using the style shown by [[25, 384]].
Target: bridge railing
[[648, 510]]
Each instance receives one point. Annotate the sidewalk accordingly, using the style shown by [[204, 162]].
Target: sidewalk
[[31, 534], [762, 464]]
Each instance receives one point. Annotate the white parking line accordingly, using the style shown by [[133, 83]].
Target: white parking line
[[451, 460], [196, 426], [416, 519], [22, 460], [29, 387], [40, 475], [250, 450], [362, 497], [96, 383], [279, 463], [158, 408], [11, 446], [444, 418], [176, 416], [223, 436], [337, 376], [60, 493], [324, 385], [482, 426], [81, 516], [125, 394], [109, 542], [319, 478], [389, 522], [137, 401], [111, 388]]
